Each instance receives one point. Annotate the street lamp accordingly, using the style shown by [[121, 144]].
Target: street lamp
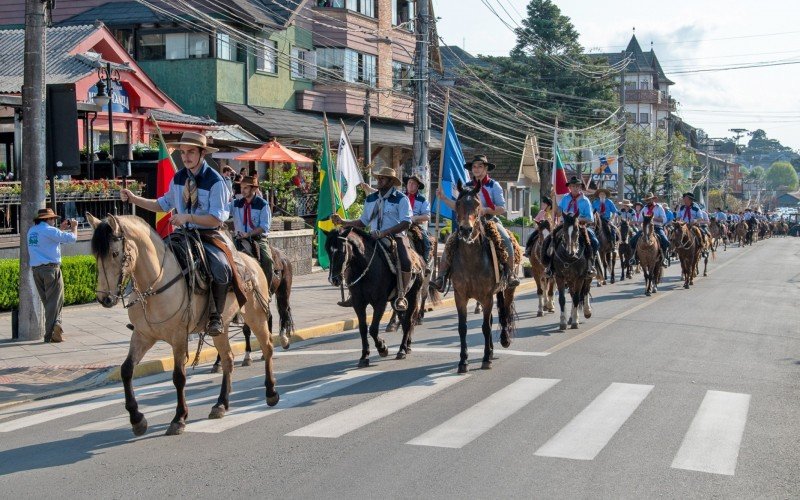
[[104, 97]]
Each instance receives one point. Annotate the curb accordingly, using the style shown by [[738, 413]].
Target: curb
[[209, 354]]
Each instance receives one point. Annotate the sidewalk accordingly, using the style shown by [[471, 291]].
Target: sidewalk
[[97, 343]]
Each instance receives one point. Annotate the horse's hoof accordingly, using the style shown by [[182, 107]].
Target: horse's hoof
[[175, 429], [419, 322], [647, 293], [605, 282], [285, 342], [383, 350], [216, 368], [462, 369], [574, 326], [587, 313], [686, 286], [400, 355], [612, 281], [486, 365], [217, 412], [363, 363], [273, 400], [140, 428], [391, 327], [505, 341], [705, 274], [539, 314], [247, 362], [562, 327]]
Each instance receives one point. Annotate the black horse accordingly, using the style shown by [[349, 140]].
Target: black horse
[[625, 250], [571, 256], [357, 262]]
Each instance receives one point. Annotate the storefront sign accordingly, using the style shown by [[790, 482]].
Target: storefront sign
[[120, 102]]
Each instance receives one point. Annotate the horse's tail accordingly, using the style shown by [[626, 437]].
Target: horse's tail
[[433, 294]]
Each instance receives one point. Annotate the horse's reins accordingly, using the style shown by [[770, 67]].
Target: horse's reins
[[346, 264]]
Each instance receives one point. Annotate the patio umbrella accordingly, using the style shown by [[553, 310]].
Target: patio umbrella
[[273, 152]]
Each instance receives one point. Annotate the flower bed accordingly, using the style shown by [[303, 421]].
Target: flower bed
[[73, 190]]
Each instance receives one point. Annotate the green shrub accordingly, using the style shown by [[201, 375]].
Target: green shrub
[[80, 281]]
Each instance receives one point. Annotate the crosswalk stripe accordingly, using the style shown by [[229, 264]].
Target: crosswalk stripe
[[589, 432], [56, 413], [358, 416], [315, 390], [475, 421], [712, 442]]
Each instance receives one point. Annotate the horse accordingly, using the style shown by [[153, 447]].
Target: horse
[[625, 250], [280, 287], [166, 309], [544, 285], [607, 248], [357, 262], [719, 234], [683, 239], [706, 245], [428, 290], [649, 255], [570, 248], [474, 274]]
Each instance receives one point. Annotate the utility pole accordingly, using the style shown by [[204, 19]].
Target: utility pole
[[670, 159], [367, 131], [32, 169], [622, 135], [421, 120]]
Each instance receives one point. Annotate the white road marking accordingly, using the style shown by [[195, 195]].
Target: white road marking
[[713, 440], [49, 415], [430, 350], [315, 390], [358, 416], [475, 421], [589, 432]]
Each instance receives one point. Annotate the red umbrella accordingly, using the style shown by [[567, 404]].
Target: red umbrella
[[273, 152]]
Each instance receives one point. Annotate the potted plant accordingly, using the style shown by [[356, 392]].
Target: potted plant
[[145, 152], [104, 151]]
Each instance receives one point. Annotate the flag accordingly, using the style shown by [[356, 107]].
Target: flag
[[452, 169], [329, 200], [164, 173], [559, 176], [347, 169]]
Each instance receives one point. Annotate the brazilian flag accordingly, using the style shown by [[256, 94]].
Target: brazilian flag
[[330, 200]]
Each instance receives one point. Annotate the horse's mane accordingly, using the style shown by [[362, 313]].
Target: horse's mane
[[101, 240]]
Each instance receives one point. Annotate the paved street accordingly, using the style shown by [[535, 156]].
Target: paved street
[[683, 394]]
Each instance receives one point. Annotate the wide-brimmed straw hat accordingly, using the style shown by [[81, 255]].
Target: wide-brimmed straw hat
[[603, 190], [649, 197], [626, 203], [248, 180], [194, 139], [44, 214], [387, 172], [416, 178], [489, 165]]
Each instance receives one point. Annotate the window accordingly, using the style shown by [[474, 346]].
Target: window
[[402, 12], [349, 65], [644, 117], [366, 7], [304, 63], [630, 85], [152, 47], [402, 76], [267, 56], [226, 48], [186, 45], [644, 85]]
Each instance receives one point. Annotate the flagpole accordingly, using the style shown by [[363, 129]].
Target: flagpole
[[441, 169], [161, 138], [553, 195]]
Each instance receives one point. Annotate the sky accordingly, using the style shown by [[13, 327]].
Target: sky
[[686, 35]]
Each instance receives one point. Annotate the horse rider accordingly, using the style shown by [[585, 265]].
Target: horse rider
[[578, 205], [637, 215], [387, 214], [626, 212], [691, 214], [199, 195], [721, 216], [659, 218], [420, 211], [668, 212], [545, 213], [251, 219], [703, 222], [493, 205], [607, 210]]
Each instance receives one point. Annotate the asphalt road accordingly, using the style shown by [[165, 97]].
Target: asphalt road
[[689, 393]]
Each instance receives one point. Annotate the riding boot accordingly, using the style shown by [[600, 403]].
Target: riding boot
[[348, 302], [400, 302], [219, 293]]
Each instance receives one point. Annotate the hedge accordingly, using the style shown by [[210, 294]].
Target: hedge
[[80, 281]]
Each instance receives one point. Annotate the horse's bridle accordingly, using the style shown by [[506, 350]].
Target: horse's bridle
[[346, 264]]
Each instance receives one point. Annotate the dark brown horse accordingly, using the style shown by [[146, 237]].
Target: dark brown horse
[[607, 235], [685, 243], [359, 264], [428, 290], [545, 285], [625, 250], [571, 250], [475, 275]]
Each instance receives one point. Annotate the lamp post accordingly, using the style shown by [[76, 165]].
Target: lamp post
[[105, 97]]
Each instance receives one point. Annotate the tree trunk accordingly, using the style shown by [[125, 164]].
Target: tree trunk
[[31, 171]]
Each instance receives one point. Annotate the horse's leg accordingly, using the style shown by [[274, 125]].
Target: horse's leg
[[613, 265], [247, 361], [576, 301], [506, 314], [138, 348], [282, 295], [647, 280], [223, 347], [540, 294], [216, 368], [587, 300], [178, 423], [361, 313], [461, 309], [486, 327], [393, 323], [408, 321], [258, 318], [375, 326], [551, 283], [477, 308], [562, 302]]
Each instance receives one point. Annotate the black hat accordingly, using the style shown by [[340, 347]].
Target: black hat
[[574, 180], [416, 178], [489, 166], [547, 200], [689, 195]]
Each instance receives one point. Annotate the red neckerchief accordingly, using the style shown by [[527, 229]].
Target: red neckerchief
[[486, 196], [573, 204], [687, 212], [602, 207], [248, 216], [412, 198], [650, 208]]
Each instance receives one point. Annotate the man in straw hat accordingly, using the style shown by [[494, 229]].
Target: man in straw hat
[[251, 219], [44, 251], [387, 214], [626, 212], [656, 211], [494, 205], [199, 195]]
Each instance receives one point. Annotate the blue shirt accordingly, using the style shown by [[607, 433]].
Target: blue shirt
[[721, 216], [260, 215], [420, 208], [670, 215], [627, 215], [44, 243], [581, 206], [657, 212], [212, 195], [494, 191], [611, 209], [382, 213], [690, 214]]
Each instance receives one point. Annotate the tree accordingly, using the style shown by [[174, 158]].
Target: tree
[[781, 174], [647, 158], [756, 173]]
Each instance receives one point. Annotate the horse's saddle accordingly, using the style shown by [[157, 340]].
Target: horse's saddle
[[191, 256]]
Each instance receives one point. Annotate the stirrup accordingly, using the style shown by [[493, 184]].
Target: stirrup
[[348, 302], [439, 283], [400, 304]]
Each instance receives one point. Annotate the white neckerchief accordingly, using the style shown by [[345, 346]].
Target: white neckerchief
[[378, 211]]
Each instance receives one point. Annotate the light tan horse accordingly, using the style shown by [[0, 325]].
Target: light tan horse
[[161, 307], [545, 287], [649, 256], [683, 240], [719, 234]]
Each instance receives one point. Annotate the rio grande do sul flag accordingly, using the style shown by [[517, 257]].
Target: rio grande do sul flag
[[164, 173], [559, 175]]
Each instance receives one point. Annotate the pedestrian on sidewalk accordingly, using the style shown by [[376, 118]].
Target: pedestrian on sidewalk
[[44, 251]]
